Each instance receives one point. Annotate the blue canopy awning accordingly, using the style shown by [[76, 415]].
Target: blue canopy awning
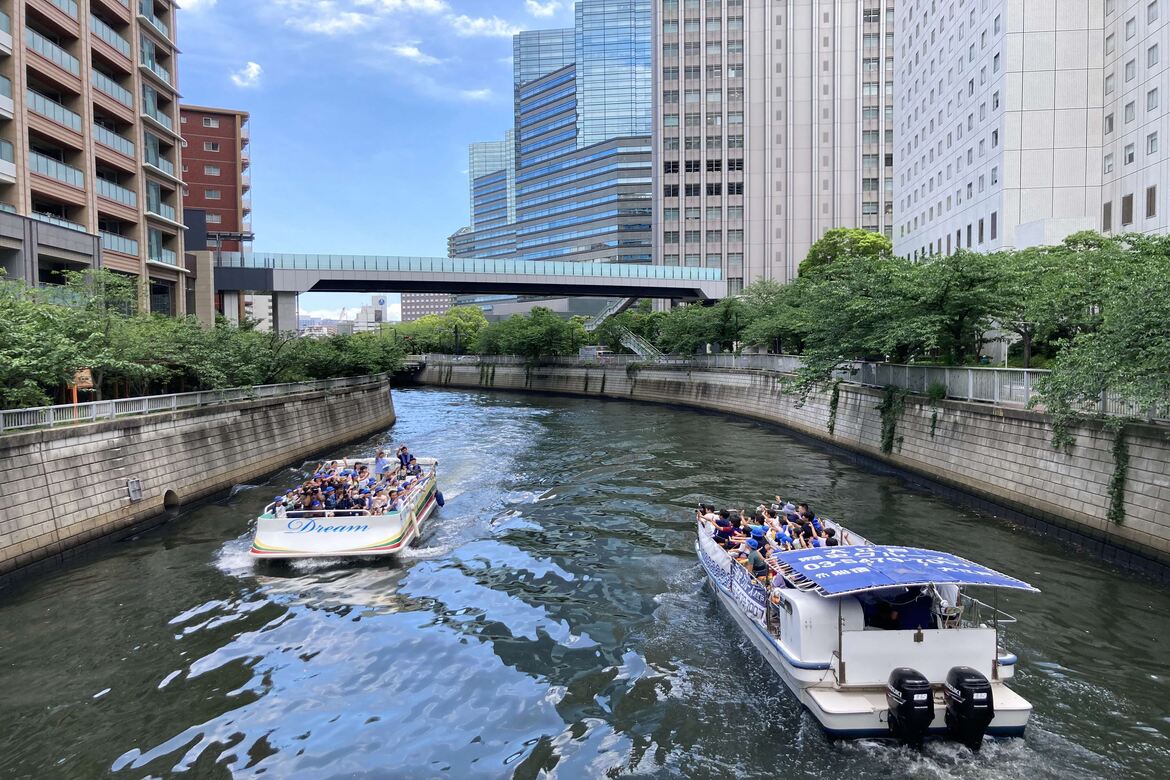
[[836, 571]]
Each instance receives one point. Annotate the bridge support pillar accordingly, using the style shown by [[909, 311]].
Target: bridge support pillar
[[284, 312]]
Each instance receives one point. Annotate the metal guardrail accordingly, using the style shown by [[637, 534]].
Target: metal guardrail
[[93, 411], [1012, 387]]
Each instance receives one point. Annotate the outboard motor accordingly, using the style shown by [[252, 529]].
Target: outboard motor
[[970, 706], [911, 704]]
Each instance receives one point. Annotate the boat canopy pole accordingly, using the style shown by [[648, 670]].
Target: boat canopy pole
[[995, 625], [840, 643]]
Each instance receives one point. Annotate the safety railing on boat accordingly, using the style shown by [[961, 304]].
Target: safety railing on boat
[[94, 411]]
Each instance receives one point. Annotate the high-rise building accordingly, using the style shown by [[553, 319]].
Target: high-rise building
[[418, 305], [89, 153], [774, 124], [574, 183], [1021, 123], [216, 169]]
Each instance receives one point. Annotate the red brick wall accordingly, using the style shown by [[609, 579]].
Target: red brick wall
[[195, 159]]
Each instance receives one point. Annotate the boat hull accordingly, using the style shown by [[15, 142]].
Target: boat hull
[[322, 536], [852, 713]]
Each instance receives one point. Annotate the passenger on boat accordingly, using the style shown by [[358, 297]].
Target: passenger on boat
[[404, 455], [381, 462], [755, 561], [279, 509]]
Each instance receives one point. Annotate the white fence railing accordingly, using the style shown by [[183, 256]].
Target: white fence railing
[[1000, 386], [93, 411]]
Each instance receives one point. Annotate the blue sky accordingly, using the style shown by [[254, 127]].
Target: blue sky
[[361, 110]]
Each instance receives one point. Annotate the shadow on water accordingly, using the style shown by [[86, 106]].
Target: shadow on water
[[552, 621]]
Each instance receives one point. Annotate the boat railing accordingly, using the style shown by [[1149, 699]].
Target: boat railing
[[979, 614]]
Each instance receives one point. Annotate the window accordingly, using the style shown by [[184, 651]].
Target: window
[[670, 143], [1108, 124], [735, 212], [670, 166], [670, 190], [670, 237], [693, 190], [1107, 217], [692, 96], [735, 142], [1127, 210], [1152, 11], [670, 215], [211, 194], [693, 166], [995, 63], [670, 120], [1108, 165], [693, 236], [1152, 143], [1152, 56], [1129, 154], [1152, 99], [735, 188], [694, 142], [994, 224], [714, 166], [714, 142], [211, 170], [670, 74], [210, 121], [1130, 70], [670, 27], [1151, 202], [995, 178], [735, 164], [714, 188], [670, 96], [1130, 27], [735, 236], [714, 213], [694, 212], [214, 219], [1110, 43], [1130, 112], [211, 146], [714, 236]]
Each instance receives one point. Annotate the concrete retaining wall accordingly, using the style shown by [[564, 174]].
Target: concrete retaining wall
[[1000, 456], [63, 488]]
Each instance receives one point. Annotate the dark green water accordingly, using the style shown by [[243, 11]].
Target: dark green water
[[553, 622]]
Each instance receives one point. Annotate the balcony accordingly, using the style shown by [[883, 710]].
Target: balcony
[[163, 255], [146, 13], [47, 107], [104, 83], [52, 52], [152, 112], [160, 163], [246, 181], [7, 162], [110, 36], [55, 169], [112, 140], [5, 33], [68, 6], [116, 243], [53, 219], [111, 191], [160, 209], [7, 107], [152, 66]]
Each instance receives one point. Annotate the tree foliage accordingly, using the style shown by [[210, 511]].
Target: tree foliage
[[839, 243], [47, 335]]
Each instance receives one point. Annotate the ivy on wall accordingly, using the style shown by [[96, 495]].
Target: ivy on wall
[[834, 400], [893, 402], [1117, 482]]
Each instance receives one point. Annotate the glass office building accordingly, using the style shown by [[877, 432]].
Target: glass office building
[[581, 167]]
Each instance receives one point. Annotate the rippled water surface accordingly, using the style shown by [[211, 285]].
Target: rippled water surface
[[552, 622]]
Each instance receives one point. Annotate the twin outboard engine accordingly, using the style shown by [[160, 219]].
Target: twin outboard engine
[[970, 707], [911, 704]]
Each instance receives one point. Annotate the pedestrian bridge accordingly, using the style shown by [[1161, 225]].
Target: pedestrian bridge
[[297, 273]]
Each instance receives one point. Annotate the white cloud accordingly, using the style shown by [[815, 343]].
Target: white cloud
[[196, 5], [411, 52], [336, 23], [537, 8], [476, 94], [424, 6], [493, 27], [248, 76]]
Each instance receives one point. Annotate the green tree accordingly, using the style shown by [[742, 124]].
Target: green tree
[[840, 243]]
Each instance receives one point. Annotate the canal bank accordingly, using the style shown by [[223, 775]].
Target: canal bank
[[1001, 457], [63, 489]]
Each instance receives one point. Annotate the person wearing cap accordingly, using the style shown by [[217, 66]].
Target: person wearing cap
[[755, 561], [279, 509], [404, 455]]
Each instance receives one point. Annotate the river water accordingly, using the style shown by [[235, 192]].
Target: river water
[[552, 622]]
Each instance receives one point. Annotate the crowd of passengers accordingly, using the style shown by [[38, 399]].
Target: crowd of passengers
[[339, 489], [753, 536]]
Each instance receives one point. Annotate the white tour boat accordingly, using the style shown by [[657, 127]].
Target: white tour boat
[[318, 533], [935, 668]]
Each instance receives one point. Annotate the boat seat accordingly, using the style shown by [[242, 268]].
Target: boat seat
[[948, 616]]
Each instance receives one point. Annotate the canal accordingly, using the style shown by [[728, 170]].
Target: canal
[[553, 620]]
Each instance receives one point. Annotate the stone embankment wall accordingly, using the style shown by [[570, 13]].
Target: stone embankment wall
[[1001, 456], [62, 488]]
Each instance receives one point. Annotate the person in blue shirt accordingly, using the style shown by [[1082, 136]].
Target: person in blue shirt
[[381, 462], [404, 455]]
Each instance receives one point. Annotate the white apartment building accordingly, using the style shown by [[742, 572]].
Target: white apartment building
[[1022, 121], [773, 123]]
